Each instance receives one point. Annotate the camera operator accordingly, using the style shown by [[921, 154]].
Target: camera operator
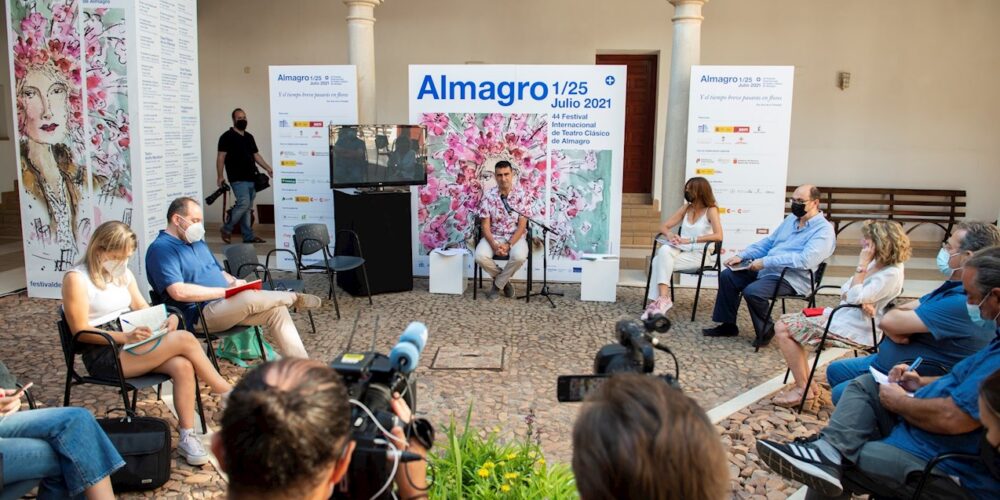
[[637, 437], [286, 434]]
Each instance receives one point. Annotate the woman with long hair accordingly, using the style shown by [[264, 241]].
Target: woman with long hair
[[699, 224], [96, 292]]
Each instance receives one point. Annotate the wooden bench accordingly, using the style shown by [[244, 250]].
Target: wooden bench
[[844, 206]]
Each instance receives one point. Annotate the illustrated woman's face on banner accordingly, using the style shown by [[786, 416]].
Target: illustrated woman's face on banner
[[43, 98], [487, 178]]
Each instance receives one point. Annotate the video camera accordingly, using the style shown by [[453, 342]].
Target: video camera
[[216, 194], [632, 354], [371, 379]]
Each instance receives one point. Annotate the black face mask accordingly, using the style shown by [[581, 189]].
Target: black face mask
[[241, 124], [687, 197], [989, 455], [798, 209]]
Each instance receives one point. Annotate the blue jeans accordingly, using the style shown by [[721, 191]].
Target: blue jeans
[[64, 447], [839, 374], [245, 193]]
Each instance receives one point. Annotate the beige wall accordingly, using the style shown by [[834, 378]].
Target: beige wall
[[920, 111]]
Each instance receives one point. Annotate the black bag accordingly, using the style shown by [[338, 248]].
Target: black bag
[[261, 181], [144, 443]]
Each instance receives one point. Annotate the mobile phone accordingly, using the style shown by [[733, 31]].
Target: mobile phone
[[573, 388]]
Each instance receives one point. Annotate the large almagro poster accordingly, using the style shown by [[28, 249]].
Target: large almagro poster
[[561, 127]]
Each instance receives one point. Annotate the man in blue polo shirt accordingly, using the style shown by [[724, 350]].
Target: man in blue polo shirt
[[801, 243], [936, 327], [879, 435], [181, 269]]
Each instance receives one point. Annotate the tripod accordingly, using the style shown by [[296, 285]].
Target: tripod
[[544, 292]]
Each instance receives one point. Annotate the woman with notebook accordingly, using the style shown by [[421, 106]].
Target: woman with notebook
[[99, 290], [699, 223]]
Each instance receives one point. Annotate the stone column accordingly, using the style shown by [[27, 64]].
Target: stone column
[[361, 53], [684, 53]]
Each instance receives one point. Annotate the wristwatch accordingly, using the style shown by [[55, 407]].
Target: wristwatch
[[860, 269]]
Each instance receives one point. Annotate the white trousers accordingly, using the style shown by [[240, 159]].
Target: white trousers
[[484, 257], [669, 259]]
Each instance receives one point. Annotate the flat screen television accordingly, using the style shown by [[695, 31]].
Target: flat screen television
[[377, 155]]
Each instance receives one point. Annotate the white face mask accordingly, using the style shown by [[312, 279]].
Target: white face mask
[[116, 268], [194, 232]]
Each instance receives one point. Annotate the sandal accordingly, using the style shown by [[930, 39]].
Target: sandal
[[792, 398]]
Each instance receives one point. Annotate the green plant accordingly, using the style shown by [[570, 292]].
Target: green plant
[[471, 467]]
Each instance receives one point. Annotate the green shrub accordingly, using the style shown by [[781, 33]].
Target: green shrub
[[470, 467]]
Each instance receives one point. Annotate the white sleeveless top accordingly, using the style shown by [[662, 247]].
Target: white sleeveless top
[[106, 305], [700, 227]]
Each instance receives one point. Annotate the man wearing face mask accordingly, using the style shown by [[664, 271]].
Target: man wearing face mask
[[238, 153], [879, 436], [937, 327], [181, 269], [801, 243]]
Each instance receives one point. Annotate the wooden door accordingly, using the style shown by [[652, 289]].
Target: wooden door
[[640, 118]]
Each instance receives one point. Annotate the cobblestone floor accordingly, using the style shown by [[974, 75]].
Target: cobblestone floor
[[541, 343]]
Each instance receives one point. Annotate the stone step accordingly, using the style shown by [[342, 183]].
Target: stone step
[[637, 198]]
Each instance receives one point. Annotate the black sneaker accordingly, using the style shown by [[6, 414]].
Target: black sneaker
[[802, 461], [723, 330], [493, 293], [764, 339], [508, 290]]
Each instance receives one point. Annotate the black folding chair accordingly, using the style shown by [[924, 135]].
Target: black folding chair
[[815, 279], [241, 261], [312, 238], [71, 346], [933, 463], [700, 272], [477, 270], [210, 337]]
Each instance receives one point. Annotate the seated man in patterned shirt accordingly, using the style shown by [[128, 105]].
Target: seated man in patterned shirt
[[503, 230]]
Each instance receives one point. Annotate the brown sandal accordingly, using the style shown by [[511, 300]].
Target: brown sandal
[[792, 398]]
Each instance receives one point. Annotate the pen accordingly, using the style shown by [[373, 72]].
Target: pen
[[915, 364], [127, 322]]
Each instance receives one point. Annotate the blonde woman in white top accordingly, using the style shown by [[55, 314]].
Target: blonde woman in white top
[[877, 280], [699, 220], [100, 289]]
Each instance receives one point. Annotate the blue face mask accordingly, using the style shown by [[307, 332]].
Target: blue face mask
[[942, 262], [976, 316]]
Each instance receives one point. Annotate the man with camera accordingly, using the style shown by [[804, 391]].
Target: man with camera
[[238, 153], [286, 433]]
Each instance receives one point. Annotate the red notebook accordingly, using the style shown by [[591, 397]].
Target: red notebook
[[253, 285]]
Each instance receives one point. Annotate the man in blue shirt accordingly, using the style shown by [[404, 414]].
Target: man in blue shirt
[[182, 270], [880, 434], [936, 327], [802, 241]]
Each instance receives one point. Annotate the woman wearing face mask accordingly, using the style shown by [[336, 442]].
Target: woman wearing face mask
[[96, 292], [877, 280], [699, 220]]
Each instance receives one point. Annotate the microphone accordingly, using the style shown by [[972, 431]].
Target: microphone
[[503, 198]]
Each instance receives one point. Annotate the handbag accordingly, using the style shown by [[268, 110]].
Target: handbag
[[243, 346], [144, 443], [261, 181]]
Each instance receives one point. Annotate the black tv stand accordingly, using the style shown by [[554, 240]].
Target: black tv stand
[[382, 221]]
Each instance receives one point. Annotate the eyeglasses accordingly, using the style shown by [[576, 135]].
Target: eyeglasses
[[796, 200]]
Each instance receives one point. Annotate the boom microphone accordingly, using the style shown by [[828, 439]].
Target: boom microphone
[[503, 198]]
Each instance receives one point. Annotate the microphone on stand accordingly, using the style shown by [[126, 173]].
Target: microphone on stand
[[503, 198]]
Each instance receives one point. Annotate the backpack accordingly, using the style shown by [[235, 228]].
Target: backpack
[[243, 346]]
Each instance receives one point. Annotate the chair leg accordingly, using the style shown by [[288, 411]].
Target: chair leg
[[201, 408], [805, 392], [69, 386], [333, 295], [770, 311], [783, 306], [311, 322], [364, 273], [159, 391], [475, 270], [260, 343], [329, 291], [787, 373], [211, 354], [649, 281], [135, 399], [697, 293]]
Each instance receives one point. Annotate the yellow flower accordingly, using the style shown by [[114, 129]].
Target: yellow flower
[[541, 461], [511, 456], [496, 430], [510, 475], [489, 465], [532, 454], [504, 488], [501, 463]]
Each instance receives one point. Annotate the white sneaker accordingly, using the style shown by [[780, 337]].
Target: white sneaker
[[191, 449]]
